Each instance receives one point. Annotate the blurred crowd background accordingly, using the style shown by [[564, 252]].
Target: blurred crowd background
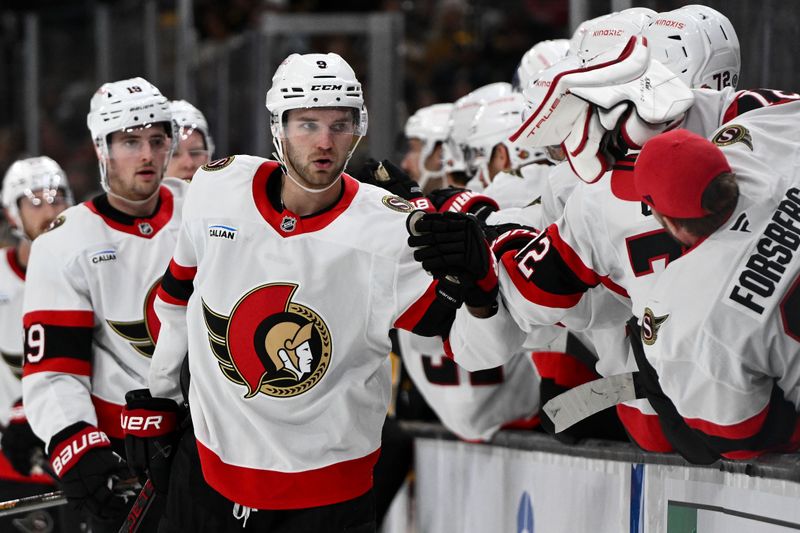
[[212, 53]]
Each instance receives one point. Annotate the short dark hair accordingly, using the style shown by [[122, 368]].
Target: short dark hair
[[719, 199]]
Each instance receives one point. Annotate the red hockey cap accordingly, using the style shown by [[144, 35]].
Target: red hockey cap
[[673, 170]]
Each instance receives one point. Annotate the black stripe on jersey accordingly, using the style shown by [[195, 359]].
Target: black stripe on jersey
[[699, 447], [177, 288], [552, 274], [437, 320], [105, 208], [61, 341]]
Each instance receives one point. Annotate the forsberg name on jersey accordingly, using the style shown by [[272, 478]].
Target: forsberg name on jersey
[[774, 250]]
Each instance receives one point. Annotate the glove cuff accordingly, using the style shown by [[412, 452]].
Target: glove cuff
[[72, 443], [468, 202]]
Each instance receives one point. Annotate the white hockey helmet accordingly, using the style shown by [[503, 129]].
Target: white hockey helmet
[[541, 56], [189, 118], [314, 80], [124, 104], [535, 93], [614, 30], [495, 121], [430, 125], [464, 112], [580, 32], [698, 44], [26, 176]]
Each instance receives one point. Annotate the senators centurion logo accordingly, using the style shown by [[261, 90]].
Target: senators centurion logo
[[142, 333], [269, 343]]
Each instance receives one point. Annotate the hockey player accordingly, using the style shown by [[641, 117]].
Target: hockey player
[[89, 321], [426, 130], [721, 327], [600, 240], [35, 191], [195, 145], [320, 261]]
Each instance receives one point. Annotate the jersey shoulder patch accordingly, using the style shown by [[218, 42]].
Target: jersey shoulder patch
[[395, 203], [218, 164]]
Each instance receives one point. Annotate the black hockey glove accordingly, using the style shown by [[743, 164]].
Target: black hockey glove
[[81, 455], [19, 442], [460, 200], [451, 246], [387, 175], [151, 435]]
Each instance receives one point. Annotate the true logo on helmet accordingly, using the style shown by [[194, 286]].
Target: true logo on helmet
[[650, 326], [218, 164], [733, 134], [269, 343], [395, 203], [141, 334]]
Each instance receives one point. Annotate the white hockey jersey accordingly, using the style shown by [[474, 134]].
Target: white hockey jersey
[[721, 327], [286, 321], [473, 405], [88, 312], [12, 289], [518, 189]]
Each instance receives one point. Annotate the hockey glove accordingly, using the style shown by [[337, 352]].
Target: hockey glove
[[151, 434], [387, 176], [81, 456], [451, 246], [19, 442], [460, 200]]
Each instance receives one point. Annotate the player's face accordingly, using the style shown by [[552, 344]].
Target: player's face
[[317, 143], [410, 162], [136, 161], [190, 155], [39, 209]]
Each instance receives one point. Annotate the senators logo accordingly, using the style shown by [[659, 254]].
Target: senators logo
[[733, 134], [650, 326], [269, 343], [142, 334]]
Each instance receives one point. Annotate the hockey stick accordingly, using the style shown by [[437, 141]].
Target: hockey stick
[[139, 509], [583, 401]]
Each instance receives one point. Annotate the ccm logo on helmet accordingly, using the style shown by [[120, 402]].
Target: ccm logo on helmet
[[326, 87]]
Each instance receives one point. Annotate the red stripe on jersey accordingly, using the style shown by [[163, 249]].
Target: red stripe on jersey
[[608, 284], [644, 429], [298, 225], [572, 259], [740, 430], [180, 272], [792, 446], [269, 489], [70, 319], [448, 350], [18, 269], [64, 365], [168, 298], [563, 369], [109, 417], [531, 292], [156, 222], [413, 315]]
